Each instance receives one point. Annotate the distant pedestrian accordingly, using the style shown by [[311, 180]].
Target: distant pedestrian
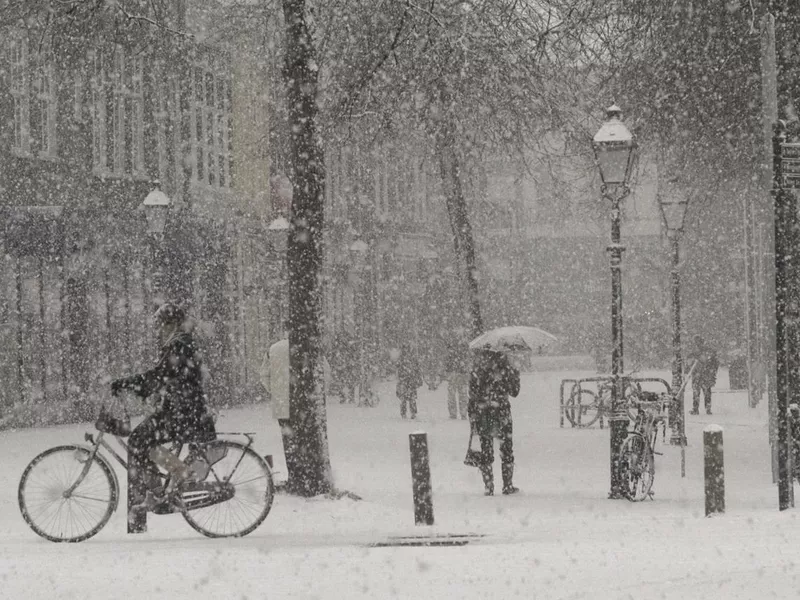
[[457, 369], [704, 375], [343, 365], [409, 379], [492, 381]]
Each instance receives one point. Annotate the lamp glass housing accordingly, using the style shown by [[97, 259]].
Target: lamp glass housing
[[614, 149], [674, 214], [156, 210]]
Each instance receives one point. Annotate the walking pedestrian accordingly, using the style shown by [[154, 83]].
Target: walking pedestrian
[[457, 368], [492, 381], [704, 375], [409, 379], [344, 368]]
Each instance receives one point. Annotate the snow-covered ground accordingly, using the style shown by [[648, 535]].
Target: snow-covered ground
[[559, 538]]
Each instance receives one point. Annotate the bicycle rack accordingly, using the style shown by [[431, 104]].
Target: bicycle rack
[[598, 379]]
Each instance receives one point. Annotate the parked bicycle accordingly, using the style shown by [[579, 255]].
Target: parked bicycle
[[637, 452], [585, 406], [222, 488]]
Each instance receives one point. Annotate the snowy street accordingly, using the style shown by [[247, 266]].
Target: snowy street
[[559, 538]]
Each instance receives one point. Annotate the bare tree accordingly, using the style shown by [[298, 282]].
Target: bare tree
[[480, 77]]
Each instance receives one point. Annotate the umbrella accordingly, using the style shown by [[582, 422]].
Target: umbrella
[[513, 339]]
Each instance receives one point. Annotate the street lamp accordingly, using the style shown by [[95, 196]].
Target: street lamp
[[614, 150], [673, 211], [156, 210]]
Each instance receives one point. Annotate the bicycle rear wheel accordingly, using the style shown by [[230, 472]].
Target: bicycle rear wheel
[[637, 467], [583, 408], [247, 506], [53, 509]]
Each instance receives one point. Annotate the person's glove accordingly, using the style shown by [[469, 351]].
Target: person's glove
[[116, 386]]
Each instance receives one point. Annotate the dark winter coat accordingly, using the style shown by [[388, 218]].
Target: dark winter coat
[[409, 374], [705, 373], [177, 381], [492, 381]]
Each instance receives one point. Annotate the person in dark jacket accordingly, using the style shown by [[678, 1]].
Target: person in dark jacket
[[181, 414], [409, 379], [492, 381], [704, 375]]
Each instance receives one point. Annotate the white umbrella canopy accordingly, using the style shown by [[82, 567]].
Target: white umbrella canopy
[[515, 338]]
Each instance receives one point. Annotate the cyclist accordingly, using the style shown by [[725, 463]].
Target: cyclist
[[182, 414]]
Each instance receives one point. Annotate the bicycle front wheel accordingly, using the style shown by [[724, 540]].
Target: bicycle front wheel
[[65, 499], [252, 491], [637, 467], [583, 408]]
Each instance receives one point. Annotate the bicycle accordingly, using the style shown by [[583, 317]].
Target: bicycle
[[585, 406], [222, 488], [637, 452]]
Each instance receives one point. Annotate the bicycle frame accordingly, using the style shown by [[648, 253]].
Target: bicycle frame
[[98, 443], [647, 422]]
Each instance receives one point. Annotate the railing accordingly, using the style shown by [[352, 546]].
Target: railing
[[577, 385]]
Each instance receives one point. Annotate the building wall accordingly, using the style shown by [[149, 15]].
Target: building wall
[[79, 266]]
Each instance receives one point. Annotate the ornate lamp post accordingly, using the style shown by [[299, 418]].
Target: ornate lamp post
[[614, 150], [156, 210], [673, 211]]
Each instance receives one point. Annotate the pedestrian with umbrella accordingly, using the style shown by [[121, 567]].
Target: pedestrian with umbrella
[[492, 381]]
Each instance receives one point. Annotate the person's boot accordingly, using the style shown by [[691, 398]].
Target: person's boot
[[488, 480], [508, 475], [694, 411]]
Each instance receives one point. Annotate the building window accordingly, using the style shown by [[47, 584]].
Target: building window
[[18, 88], [99, 116], [161, 115], [43, 111], [175, 111], [118, 103], [210, 127], [32, 88], [134, 98]]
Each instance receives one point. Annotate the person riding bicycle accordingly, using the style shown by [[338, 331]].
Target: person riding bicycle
[[182, 414]]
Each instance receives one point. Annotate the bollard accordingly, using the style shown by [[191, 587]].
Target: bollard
[[714, 470], [421, 478]]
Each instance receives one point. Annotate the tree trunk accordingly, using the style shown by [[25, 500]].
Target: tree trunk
[[450, 168], [309, 468]]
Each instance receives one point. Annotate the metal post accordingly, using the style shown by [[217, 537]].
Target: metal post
[[783, 204], [677, 421], [618, 421], [137, 518], [421, 479], [714, 470]]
